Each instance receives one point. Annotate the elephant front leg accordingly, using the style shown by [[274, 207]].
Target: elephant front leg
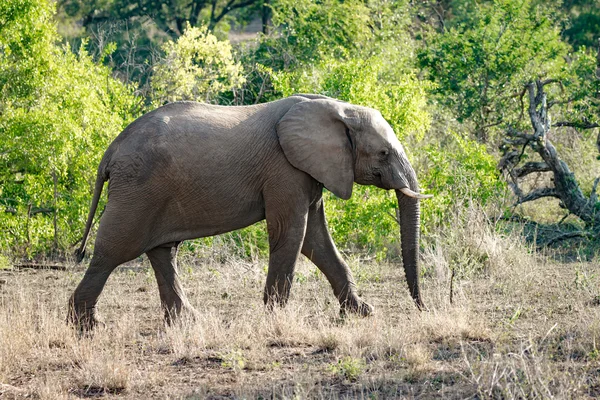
[[285, 240], [172, 296], [320, 249]]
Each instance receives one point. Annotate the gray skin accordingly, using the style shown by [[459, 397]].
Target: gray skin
[[188, 170]]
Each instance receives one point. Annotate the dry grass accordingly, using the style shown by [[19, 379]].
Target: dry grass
[[520, 326]]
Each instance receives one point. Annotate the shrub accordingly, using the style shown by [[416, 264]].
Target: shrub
[[197, 67], [59, 112], [458, 170]]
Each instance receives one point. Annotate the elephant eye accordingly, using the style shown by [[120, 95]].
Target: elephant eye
[[384, 153]]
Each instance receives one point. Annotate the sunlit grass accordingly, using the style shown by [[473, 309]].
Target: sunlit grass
[[520, 326]]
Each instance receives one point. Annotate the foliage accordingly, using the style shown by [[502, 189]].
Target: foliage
[[471, 60], [234, 360], [459, 171], [583, 28], [197, 67], [5, 262], [140, 28], [310, 34], [481, 64], [399, 98], [306, 33], [576, 95], [329, 28], [484, 61], [249, 243], [59, 112], [170, 17]]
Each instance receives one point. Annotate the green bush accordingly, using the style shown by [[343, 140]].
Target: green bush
[[59, 112], [484, 56], [313, 30], [458, 170], [60, 109], [196, 67]]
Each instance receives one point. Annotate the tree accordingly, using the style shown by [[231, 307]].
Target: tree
[[503, 68], [583, 23], [139, 29], [170, 18], [482, 59], [581, 96]]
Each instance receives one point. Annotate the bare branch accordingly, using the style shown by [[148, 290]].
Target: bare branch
[[55, 267], [563, 218], [530, 168], [565, 187], [594, 195], [568, 235], [521, 95], [549, 81], [579, 125], [526, 136], [440, 17], [230, 6], [538, 194], [560, 102], [452, 286], [492, 124]]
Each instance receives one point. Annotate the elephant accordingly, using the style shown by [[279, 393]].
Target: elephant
[[188, 170]]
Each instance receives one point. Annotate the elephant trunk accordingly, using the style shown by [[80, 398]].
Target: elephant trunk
[[410, 215]]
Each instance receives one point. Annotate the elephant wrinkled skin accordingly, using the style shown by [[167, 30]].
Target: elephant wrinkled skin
[[188, 170]]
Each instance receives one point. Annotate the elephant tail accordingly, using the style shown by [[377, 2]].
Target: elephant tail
[[100, 179]]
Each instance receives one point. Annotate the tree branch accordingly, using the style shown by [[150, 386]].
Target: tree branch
[[538, 194], [579, 125], [498, 122], [568, 235], [197, 6], [530, 168], [566, 188], [230, 6], [549, 81]]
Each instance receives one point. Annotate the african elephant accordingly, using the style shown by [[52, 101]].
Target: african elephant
[[188, 170]]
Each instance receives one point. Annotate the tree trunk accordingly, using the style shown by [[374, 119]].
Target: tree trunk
[[266, 16]]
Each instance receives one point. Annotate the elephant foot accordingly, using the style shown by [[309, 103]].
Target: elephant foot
[[274, 300], [85, 321], [182, 313], [356, 306]]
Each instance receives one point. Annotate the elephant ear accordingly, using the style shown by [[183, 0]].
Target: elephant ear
[[314, 138]]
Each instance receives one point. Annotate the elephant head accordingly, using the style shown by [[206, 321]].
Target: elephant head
[[338, 144]]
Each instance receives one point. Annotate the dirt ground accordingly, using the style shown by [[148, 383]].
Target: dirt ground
[[525, 327]]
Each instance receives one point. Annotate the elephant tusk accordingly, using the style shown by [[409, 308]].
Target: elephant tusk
[[407, 192]]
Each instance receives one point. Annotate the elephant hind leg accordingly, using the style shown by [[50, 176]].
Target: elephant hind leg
[[118, 240], [82, 304], [172, 297]]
